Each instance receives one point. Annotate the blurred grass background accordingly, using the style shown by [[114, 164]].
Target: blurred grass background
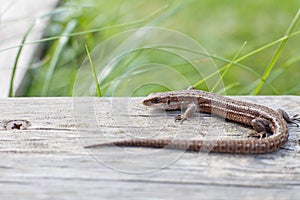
[[222, 27]]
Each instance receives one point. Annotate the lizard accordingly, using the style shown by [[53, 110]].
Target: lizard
[[263, 119]]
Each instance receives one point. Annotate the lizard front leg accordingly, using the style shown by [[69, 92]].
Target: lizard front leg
[[190, 111]]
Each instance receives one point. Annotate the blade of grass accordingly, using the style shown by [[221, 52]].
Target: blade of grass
[[236, 62], [122, 68], [227, 87], [291, 61], [213, 57], [132, 23], [277, 53], [230, 62], [53, 63], [12, 79], [293, 90], [226, 69], [93, 71], [178, 6]]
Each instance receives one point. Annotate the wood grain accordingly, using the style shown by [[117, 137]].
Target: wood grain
[[47, 159]]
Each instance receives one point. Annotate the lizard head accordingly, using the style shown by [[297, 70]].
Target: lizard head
[[162, 99], [155, 99]]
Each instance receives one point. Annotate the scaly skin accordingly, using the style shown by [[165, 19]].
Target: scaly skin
[[263, 119]]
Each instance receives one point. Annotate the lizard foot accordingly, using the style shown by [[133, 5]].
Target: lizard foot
[[259, 135], [291, 120], [190, 111]]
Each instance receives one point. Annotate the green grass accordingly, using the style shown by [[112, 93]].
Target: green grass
[[13, 74], [254, 44], [98, 90], [277, 53]]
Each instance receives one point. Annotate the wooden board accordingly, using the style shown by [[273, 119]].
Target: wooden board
[[47, 159]]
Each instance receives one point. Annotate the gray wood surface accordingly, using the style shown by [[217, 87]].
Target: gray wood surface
[[46, 158]]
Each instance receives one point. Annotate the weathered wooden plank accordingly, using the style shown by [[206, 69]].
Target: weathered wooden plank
[[47, 159]]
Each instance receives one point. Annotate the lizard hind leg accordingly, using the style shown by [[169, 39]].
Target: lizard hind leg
[[261, 126], [292, 120]]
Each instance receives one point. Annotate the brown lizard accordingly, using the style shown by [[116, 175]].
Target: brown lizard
[[263, 119]]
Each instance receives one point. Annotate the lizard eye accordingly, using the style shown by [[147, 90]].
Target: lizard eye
[[155, 100]]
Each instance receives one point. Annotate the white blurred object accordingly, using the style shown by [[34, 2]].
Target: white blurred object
[[16, 17]]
